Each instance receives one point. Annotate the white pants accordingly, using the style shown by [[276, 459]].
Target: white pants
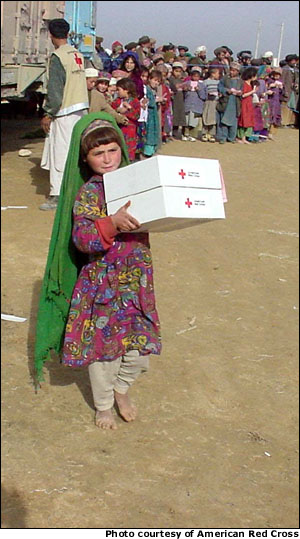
[[118, 375], [56, 148]]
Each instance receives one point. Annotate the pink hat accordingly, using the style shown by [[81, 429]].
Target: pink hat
[[116, 44]]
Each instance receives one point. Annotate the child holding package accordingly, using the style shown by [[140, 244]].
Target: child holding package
[[105, 319]]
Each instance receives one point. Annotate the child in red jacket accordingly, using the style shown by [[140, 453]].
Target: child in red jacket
[[128, 104]]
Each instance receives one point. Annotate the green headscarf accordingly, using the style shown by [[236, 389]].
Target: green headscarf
[[62, 264]]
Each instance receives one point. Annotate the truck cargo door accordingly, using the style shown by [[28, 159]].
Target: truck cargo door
[[81, 17]]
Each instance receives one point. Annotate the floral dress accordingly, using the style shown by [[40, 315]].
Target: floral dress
[[112, 308], [130, 131]]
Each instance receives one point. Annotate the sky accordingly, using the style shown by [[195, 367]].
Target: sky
[[209, 23]]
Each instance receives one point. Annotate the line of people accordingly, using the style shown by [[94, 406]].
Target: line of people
[[221, 101], [162, 94]]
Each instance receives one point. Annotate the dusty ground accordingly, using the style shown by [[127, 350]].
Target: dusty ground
[[216, 441]]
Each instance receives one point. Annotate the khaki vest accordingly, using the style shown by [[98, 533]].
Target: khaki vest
[[75, 91]]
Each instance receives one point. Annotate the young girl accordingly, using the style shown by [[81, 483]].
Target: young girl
[[274, 93], [257, 102], [176, 85], [142, 121], [166, 105], [153, 128], [128, 104], [209, 116], [229, 104], [246, 118], [194, 97], [108, 320], [130, 66]]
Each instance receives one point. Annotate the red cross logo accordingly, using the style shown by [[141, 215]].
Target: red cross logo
[[188, 203], [78, 60], [182, 174]]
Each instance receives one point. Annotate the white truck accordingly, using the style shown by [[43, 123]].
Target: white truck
[[26, 45]]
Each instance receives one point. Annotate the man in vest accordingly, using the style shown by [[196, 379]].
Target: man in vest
[[66, 102]]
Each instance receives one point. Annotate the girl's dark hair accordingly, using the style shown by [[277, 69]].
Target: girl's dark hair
[[211, 70], [144, 69], [155, 74], [248, 73], [127, 84], [101, 135], [136, 67]]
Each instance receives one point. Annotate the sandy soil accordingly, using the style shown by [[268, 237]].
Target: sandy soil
[[215, 444]]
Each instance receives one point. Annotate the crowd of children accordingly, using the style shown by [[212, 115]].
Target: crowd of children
[[184, 97]]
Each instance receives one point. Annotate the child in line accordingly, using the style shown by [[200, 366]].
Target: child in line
[[209, 116], [153, 124], [128, 104], [108, 321], [274, 93], [176, 85], [112, 90], [194, 97], [166, 105], [103, 84], [229, 104], [246, 118], [142, 121], [257, 102]]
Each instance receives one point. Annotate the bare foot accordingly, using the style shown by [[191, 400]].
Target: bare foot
[[105, 420], [126, 409]]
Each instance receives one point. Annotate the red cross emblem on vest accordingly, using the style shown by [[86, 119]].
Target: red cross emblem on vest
[[78, 60], [182, 174], [188, 203]]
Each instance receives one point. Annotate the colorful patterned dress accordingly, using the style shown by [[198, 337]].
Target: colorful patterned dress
[[246, 118], [275, 101], [113, 308], [130, 131]]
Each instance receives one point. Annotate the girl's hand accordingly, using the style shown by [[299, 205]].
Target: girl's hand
[[123, 221]]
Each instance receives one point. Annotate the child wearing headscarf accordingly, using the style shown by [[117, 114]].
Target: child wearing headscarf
[[98, 309]]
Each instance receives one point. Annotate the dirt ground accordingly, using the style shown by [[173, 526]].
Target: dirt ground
[[215, 444]]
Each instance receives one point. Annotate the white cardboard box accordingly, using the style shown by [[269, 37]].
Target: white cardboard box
[[167, 192]]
